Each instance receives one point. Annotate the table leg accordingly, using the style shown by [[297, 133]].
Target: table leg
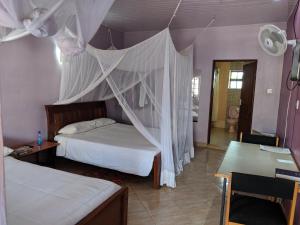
[[37, 158], [54, 157], [223, 201], [51, 157]]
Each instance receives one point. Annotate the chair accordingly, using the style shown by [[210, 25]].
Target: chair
[[259, 139], [249, 210]]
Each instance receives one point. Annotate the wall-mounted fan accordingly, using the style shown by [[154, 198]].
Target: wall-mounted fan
[[274, 41]]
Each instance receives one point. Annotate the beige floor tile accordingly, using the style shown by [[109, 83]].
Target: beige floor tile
[[140, 218], [175, 219], [221, 137], [195, 201]]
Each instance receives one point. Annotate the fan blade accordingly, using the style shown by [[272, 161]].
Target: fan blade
[[275, 36], [279, 48]]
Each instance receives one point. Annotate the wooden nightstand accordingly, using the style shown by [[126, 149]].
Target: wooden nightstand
[[47, 146]]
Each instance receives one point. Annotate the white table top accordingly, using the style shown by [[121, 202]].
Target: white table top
[[249, 159]]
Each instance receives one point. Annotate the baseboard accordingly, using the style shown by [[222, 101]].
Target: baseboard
[[209, 146], [215, 147], [199, 145]]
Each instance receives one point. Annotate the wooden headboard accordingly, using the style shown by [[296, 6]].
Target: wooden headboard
[[59, 116]]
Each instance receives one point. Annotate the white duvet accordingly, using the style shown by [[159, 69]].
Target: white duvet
[[118, 146], [38, 195]]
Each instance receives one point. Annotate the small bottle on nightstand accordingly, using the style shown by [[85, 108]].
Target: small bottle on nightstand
[[39, 138]]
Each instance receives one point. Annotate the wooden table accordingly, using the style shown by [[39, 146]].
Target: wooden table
[[48, 146], [249, 159]]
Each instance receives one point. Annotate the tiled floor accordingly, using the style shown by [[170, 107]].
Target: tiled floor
[[195, 200], [221, 137]]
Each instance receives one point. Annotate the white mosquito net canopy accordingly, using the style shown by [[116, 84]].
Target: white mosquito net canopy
[[151, 80], [152, 83], [71, 23]]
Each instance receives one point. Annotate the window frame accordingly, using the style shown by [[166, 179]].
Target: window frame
[[195, 89], [235, 80]]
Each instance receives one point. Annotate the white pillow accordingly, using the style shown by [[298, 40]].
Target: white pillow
[[79, 127], [101, 122], [7, 151]]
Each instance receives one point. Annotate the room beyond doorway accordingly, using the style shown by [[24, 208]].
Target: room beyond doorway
[[232, 95]]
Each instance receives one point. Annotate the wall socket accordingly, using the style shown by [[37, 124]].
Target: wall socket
[[269, 91]]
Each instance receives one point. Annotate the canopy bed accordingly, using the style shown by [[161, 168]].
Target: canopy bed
[[41, 195], [116, 146], [151, 80]]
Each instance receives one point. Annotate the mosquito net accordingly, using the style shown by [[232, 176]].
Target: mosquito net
[[151, 80], [71, 23], [152, 83]]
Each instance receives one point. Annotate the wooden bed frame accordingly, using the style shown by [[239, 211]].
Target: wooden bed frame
[[59, 116], [111, 212]]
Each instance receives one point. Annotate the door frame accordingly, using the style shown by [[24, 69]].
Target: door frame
[[212, 89]]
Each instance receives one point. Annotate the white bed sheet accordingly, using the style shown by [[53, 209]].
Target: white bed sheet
[[38, 195], [118, 146]]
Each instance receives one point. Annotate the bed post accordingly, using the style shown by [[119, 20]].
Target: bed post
[[156, 171], [124, 207]]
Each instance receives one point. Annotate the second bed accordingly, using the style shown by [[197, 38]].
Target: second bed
[[115, 146]]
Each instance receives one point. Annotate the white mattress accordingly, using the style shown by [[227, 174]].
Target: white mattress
[[118, 146], [38, 195]]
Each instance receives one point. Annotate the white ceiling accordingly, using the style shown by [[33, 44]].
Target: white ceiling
[[136, 15]]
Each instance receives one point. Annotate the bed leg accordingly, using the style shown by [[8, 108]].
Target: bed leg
[[156, 171], [124, 207]]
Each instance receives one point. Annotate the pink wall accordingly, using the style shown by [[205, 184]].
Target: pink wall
[[293, 122], [29, 79], [232, 42]]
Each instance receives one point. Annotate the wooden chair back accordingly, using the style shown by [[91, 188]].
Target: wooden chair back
[[271, 187], [259, 139]]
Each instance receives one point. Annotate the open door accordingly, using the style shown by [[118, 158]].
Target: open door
[[247, 98]]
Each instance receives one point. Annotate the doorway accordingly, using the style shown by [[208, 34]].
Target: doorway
[[232, 97]]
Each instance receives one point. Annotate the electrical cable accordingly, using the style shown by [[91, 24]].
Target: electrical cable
[[298, 82], [294, 26], [286, 118], [293, 130], [295, 36], [290, 89]]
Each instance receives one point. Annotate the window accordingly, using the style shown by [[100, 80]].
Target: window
[[195, 86], [236, 80], [58, 55]]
